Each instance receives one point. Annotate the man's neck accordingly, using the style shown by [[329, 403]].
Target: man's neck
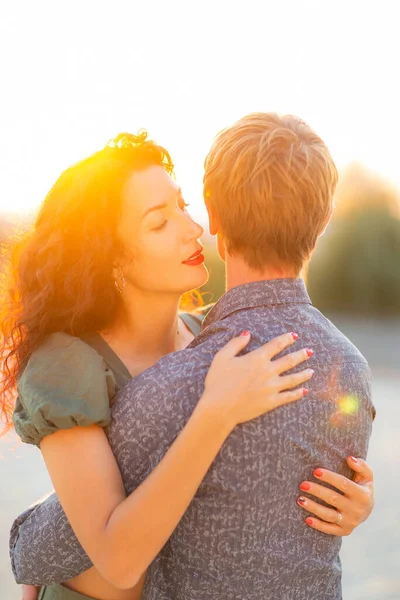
[[238, 273]]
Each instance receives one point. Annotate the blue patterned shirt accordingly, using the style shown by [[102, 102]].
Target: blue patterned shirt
[[243, 536]]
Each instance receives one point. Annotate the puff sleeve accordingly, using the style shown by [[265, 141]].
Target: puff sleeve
[[65, 383]]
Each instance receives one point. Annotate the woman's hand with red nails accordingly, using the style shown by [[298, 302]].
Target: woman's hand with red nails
[[241, 388], [354, 500]]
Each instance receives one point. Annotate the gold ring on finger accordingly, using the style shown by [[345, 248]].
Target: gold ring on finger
[[339, 518]]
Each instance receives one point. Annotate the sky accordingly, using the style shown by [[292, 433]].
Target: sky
[[74, 74]]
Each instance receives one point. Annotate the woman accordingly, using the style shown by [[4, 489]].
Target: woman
[[96, 296]]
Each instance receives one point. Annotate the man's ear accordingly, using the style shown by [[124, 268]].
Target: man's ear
[[327, 221], [221, 249], [212, 218]]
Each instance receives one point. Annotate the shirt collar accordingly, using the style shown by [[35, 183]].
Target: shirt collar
[[271, 292]]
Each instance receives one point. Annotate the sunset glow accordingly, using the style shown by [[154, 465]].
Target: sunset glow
[[74, 78]]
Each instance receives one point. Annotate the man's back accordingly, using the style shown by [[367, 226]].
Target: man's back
[[243, 536]]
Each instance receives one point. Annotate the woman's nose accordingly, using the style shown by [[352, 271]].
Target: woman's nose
[[195, 230], [199, 229]]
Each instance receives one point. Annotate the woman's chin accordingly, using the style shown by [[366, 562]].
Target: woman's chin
[[199, 278]]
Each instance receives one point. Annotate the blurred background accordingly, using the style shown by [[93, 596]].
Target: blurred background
[[75, 74]]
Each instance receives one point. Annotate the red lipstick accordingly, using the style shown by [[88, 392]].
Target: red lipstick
[[196, 259]]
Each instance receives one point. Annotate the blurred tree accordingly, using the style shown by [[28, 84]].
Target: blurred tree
[[356, 267]]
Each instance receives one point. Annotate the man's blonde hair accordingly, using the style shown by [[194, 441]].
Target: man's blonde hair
[[270, 180]]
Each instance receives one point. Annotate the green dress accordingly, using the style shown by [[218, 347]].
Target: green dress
[[70, 381]]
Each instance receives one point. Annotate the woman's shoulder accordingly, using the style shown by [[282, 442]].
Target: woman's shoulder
[[62, 344], [64, 383], [63, 360]]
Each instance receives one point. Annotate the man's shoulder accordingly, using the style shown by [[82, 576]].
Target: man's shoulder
[[174, 370], [339, 341], [152, 408]]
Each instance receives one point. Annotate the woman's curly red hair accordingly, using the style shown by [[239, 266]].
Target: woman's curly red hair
[[60, 277]]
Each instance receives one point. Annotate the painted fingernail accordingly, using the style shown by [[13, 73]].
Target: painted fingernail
[[305, 486], [305, 392], [318, 473], [311, 372], [295, 336], [301, 500], [245, 333], [353, 459], [309, 352], [309, 521]]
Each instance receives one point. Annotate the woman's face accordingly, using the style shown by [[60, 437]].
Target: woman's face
[[158, 236]]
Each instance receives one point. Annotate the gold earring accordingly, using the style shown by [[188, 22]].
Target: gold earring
[[120, 287]]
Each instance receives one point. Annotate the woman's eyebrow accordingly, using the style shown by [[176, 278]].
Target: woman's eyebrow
[[157, 207], [178, 194]]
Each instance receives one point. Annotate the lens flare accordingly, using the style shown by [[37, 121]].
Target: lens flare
[[348, 405], [347, 412]]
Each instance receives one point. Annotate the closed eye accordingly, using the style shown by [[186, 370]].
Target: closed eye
[[160, 226]]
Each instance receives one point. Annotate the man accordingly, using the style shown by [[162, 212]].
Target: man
[[268, 188]]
